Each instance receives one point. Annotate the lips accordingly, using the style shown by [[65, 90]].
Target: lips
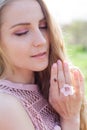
[[39, 54]]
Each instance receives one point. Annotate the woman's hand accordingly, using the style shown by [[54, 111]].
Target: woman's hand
[[69, 106]]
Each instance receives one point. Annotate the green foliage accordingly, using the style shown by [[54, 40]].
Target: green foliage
[[76, 32]]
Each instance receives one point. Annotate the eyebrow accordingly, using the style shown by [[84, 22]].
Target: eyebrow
[[20, 24], [25, 24]]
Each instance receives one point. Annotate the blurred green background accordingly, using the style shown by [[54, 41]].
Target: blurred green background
[[75, 35]]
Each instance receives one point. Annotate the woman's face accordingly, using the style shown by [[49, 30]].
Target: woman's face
[[24, 35]]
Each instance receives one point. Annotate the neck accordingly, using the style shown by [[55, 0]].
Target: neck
[[20, 76]]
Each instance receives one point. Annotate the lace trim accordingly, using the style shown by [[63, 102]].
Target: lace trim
[[38, 109]]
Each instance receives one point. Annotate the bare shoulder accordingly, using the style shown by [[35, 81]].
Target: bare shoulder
[[12, 114]]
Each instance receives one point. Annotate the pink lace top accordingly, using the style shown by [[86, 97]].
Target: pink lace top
[[38, 109]]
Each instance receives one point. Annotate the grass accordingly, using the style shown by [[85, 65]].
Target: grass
[[78, 56]]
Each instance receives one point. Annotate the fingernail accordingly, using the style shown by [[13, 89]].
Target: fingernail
[[76, 74], [54, 65], [65, 64], [59, 62]]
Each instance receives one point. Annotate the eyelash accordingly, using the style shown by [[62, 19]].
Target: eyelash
[[24, 33], [44, 27]]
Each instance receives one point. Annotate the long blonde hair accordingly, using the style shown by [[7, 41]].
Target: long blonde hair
[[57, 51]]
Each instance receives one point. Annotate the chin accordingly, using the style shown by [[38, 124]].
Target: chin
[[41, 67]]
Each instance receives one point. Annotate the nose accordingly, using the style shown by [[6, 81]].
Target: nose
[[39, 38]]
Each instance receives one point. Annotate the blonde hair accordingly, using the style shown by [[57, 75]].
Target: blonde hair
[[57, 51]]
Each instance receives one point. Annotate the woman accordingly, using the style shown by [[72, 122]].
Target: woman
[[34, 71]]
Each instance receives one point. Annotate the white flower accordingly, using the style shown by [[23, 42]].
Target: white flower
[[67, 90], [57, 127]]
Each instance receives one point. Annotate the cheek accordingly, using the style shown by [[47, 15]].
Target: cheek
[[17, 57], [15, 52]]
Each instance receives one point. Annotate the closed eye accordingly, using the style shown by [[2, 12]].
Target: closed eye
[[43, 27], [21, 33]]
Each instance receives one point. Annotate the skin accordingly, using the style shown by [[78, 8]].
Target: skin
[[12, 114], [67, 106], [26, 53], [27, 48], [25, 40]]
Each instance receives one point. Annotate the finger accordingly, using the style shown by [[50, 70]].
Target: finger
[[53, 82], [67, 73], [61, 78], [81, 78], [77, 82]]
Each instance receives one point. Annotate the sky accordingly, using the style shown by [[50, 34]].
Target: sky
[[66, 11]]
